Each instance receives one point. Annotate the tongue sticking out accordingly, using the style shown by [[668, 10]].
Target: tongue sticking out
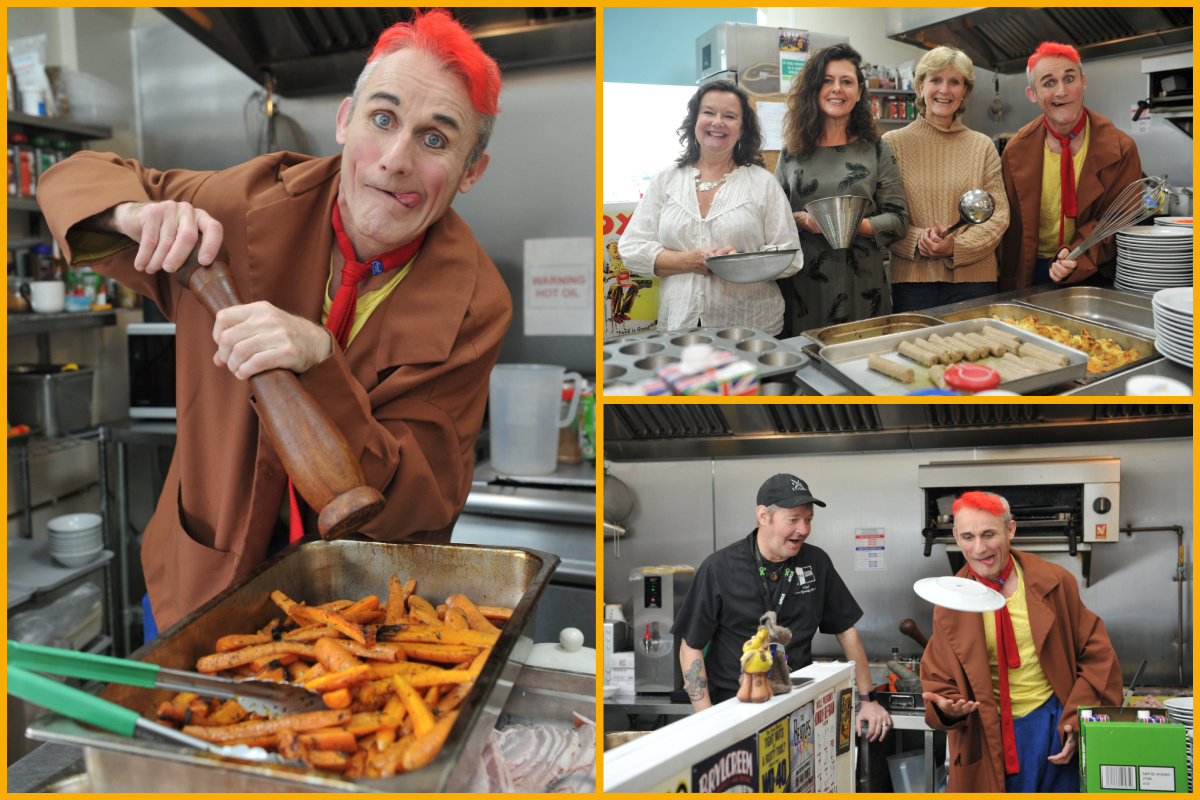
[[407, 199]]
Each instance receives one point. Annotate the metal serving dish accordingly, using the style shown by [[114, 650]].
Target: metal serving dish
[[751, 267], [868, 328], [1071, 324], [320, 572], [638, 356], [1108, 307], [849, 361]]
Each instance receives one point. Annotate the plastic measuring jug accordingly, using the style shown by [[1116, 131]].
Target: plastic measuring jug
[[524, 407]]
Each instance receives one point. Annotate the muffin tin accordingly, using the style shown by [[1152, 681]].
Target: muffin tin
[[637, 357]]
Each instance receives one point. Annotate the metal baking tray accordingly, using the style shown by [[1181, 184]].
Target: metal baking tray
[[1108, 307], [849, 360], [637, 357], [869, 328], [320, 572], [1018, 310]]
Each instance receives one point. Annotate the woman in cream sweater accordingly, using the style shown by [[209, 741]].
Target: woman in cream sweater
[[940, 159]]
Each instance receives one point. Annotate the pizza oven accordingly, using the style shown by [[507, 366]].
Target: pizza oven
[[1060, 505]]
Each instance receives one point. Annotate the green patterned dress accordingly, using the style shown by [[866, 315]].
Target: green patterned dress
[[838, 286]]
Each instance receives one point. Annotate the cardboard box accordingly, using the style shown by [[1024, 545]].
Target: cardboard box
[[1124, 755]]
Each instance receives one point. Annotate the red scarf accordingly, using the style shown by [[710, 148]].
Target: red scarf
[[1007, 657], [1066, 172], [341, 313]]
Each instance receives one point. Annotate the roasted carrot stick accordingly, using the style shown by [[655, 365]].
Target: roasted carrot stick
[[426, 745], [495, 612], [368, 603], [351, 629], [334, 656], [475, 619], [238, 641], [388, 761], [439, 677], [396, 610], [219, 661], [338, 698], [341, 740], [325, 759], [307, 721], [420, 611], [343, 679], [440, 653], [379, 652], [456, 618], [421, 716], [437, 634]]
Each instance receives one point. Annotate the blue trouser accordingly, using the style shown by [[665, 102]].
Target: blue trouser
[[1037, 739], [1041, 271], [918, 296]]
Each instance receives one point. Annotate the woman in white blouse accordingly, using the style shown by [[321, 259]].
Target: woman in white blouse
[[716, 199]]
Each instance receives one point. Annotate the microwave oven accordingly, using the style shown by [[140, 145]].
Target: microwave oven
[[151, 370]]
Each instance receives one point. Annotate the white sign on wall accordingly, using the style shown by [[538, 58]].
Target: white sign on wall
[[870, 552], [560, 296]]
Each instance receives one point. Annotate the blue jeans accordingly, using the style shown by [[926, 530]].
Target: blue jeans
[[919, 296], [1037, 738]]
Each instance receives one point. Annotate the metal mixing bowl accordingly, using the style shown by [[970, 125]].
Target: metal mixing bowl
[[751, 267]]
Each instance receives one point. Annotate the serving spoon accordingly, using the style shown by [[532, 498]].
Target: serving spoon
[[974, 207]]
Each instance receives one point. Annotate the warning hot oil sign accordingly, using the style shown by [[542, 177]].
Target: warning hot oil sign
[[551, 287]]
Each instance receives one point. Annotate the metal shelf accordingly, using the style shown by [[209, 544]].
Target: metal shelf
[[25, 324], [68, 128], [23, 204]]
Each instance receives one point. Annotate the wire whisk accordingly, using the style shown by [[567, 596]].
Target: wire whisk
[[1138, 201]]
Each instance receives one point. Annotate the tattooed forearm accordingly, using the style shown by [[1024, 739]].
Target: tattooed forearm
[[695, 681]]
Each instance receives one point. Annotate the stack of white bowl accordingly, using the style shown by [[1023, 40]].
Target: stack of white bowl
[[1173, 324], [1179, 710], [76, 539], [1153, 257]]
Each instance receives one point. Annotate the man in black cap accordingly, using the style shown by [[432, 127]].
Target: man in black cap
[[769, 570]]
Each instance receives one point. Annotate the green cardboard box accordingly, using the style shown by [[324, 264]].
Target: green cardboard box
[[1124, 755]]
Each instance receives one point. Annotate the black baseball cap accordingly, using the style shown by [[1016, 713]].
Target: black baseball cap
[[786, 491]]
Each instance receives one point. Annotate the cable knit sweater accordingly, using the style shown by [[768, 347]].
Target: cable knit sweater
[[938, 167]]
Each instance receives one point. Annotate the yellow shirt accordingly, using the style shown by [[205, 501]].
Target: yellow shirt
[[367, 301], [1027, 684], [1050, 217]]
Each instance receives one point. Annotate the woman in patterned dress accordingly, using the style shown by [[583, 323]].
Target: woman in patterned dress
[[832, 148]]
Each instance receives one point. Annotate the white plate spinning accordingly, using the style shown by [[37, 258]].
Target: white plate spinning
[[958, 594]]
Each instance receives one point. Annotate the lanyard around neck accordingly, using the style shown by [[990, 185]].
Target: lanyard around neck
[[788, 569]]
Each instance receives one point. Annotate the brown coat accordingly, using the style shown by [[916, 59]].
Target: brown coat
[[1112, 163], [408, 394], [1072, 647]]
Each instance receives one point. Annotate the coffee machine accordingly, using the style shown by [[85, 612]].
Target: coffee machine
[[656, 601]]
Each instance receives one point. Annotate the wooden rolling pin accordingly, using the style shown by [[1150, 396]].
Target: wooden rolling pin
[[910, 629], [312, 448]]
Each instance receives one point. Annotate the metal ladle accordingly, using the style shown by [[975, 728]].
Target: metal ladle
[[975, 207]]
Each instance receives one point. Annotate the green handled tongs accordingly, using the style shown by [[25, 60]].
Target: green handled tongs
[[84, 707], [262, 697]]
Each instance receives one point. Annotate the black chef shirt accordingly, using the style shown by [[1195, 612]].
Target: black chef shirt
[[725, 602]]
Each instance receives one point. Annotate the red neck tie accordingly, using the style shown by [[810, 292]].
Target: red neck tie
[[1066, 172], [1007, 657], [341, 314]]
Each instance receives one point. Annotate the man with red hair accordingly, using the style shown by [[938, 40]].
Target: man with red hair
[[1062, 172], [1007, 685], [356, 275]]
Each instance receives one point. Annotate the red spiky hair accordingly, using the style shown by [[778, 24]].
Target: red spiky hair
[[437, 32], [982, 501], [1046, 49]]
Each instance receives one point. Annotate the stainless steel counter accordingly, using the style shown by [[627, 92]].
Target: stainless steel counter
[[813, 381]]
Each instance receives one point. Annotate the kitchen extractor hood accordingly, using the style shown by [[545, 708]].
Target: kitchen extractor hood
[[1002, 39], [320, 50], [654, 431]]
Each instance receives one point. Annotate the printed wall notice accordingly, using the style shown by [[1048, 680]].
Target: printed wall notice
[[825, 743], [630, 301], [773, 757], [869, 550], [800, 749], [734, 769], [793, 52], [560, 297]]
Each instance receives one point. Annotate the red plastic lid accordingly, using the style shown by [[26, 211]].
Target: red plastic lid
[[972, 377]]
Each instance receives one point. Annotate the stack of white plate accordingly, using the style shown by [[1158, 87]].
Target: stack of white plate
[[1153, 257], [1179, 710], [1174, 222], [76, 539], [1173, 324]]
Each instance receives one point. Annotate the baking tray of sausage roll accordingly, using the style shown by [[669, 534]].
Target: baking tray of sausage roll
[[849, 361], [320, 572], [637, 357], [1095, 371]]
